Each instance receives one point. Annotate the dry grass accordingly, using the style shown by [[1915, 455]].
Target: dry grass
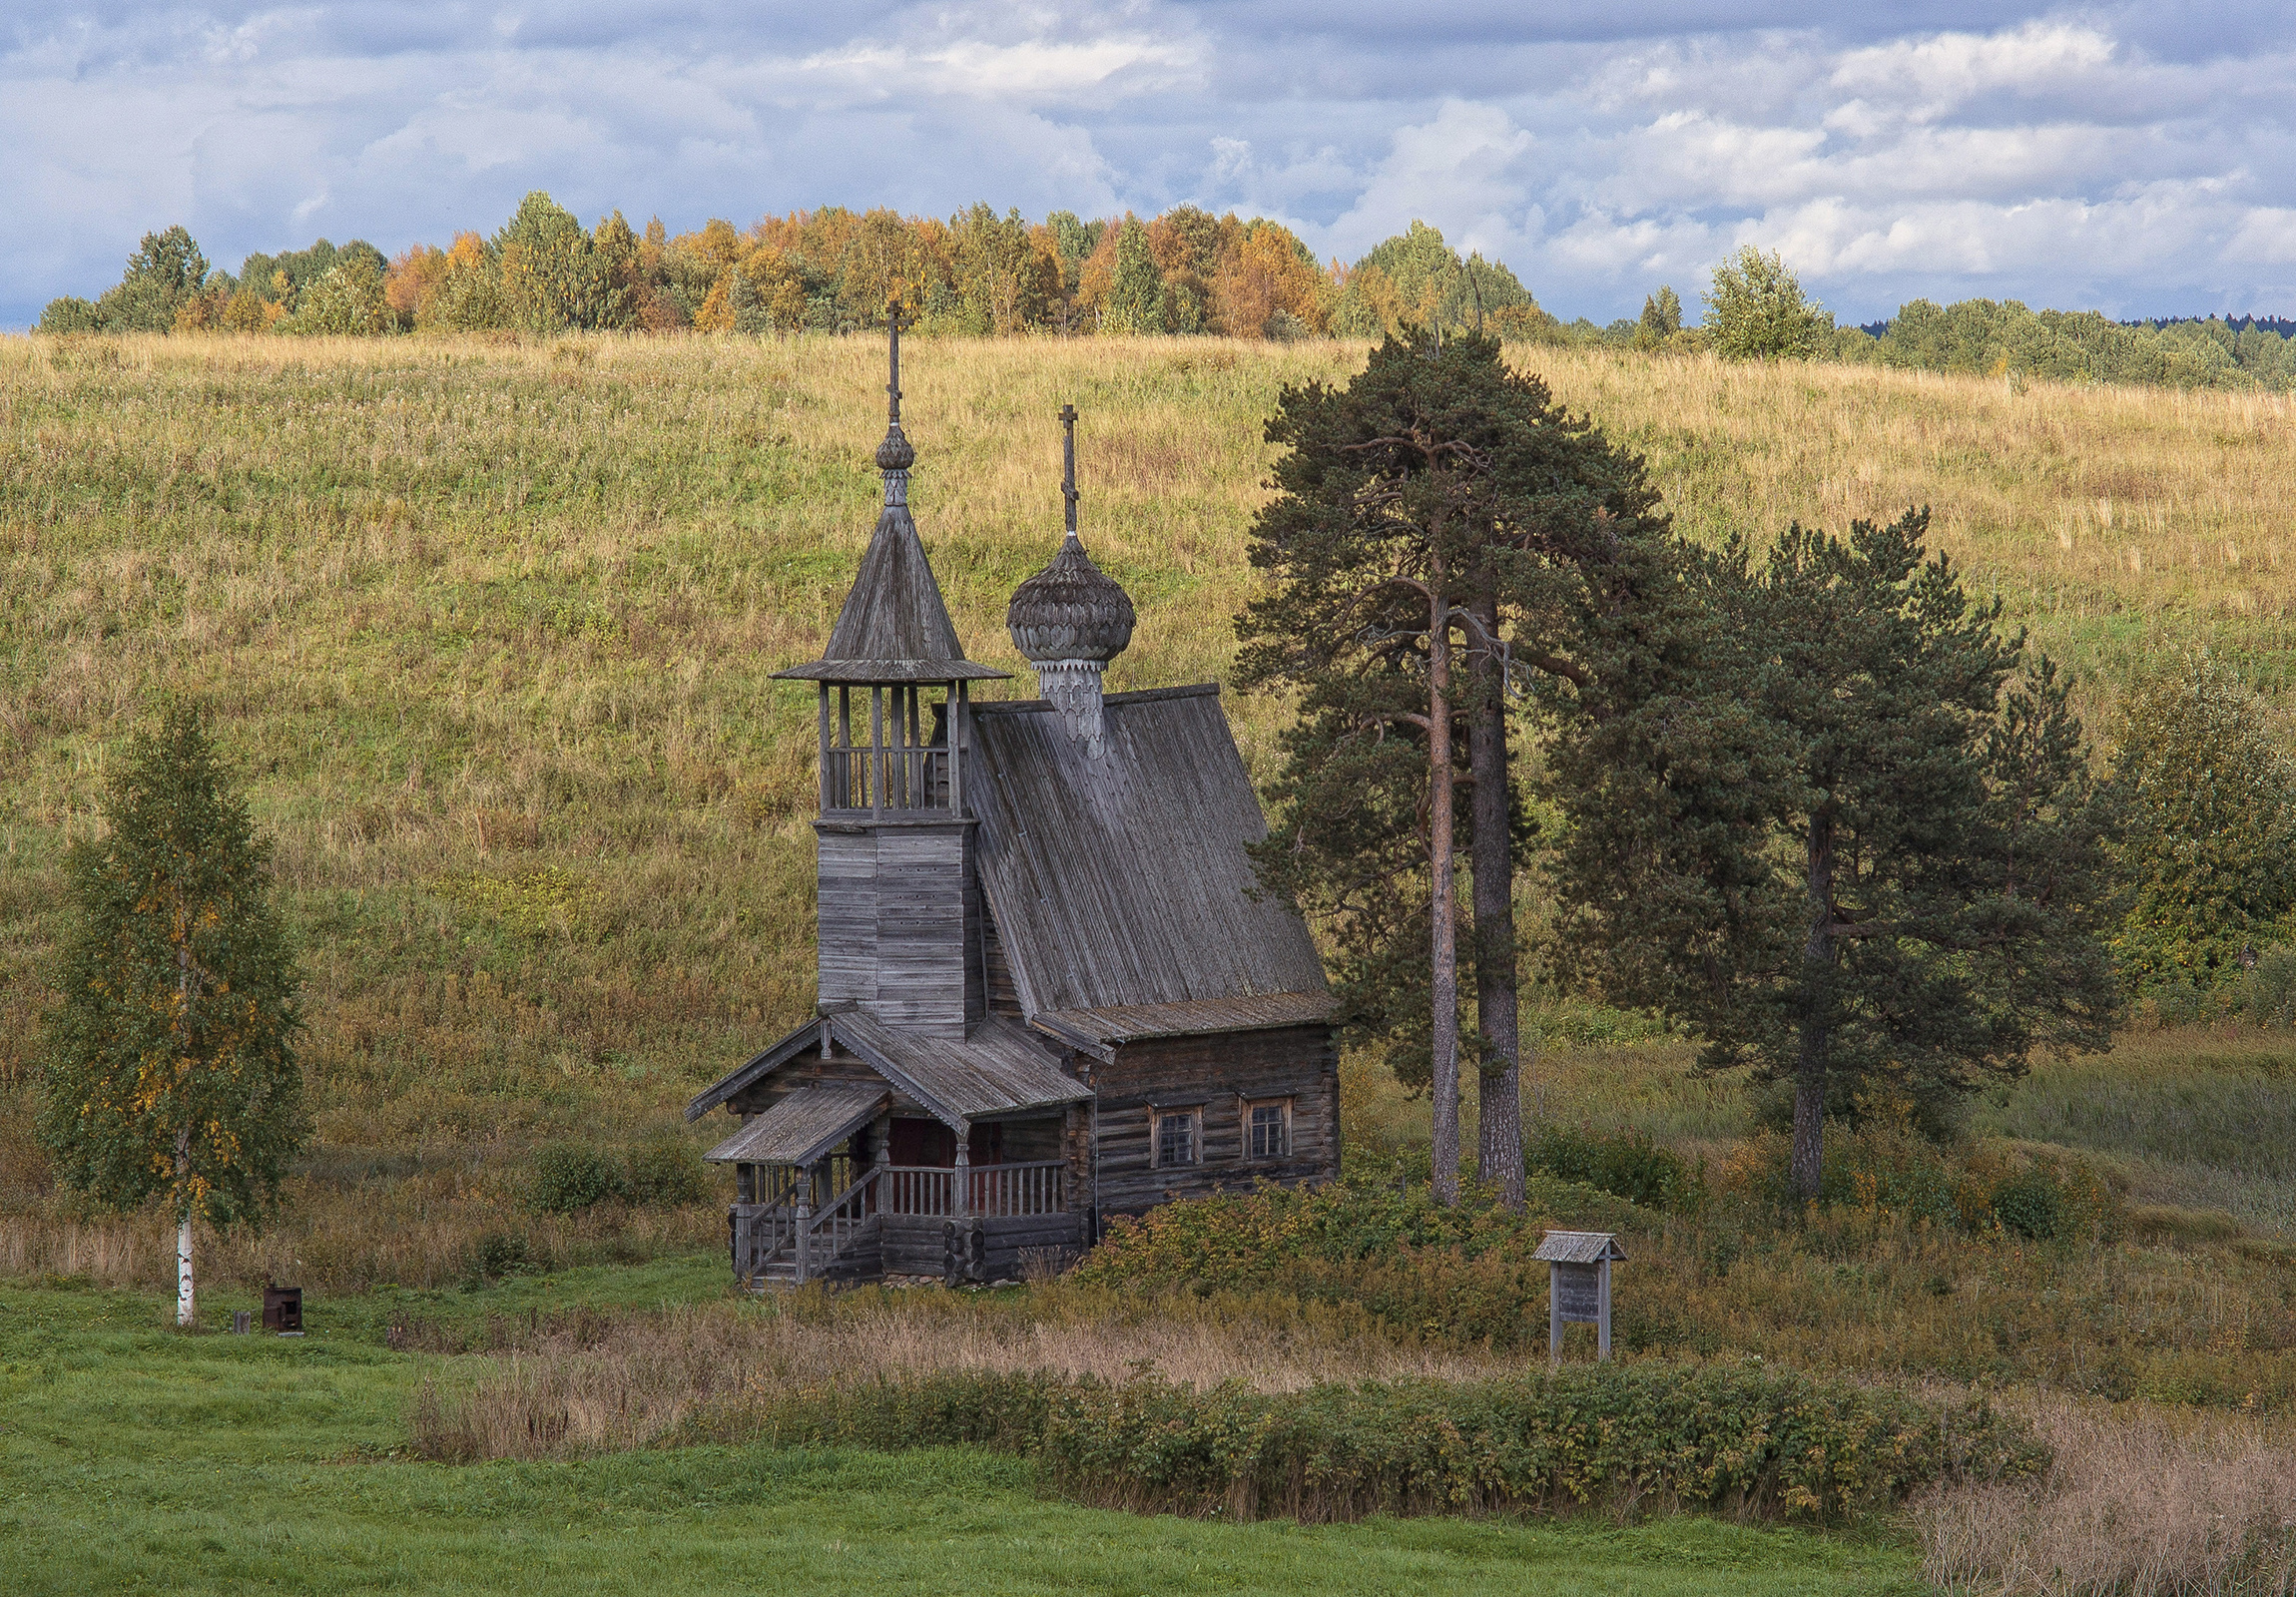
[[2140, 1503], [595, 1383], [491, 627]]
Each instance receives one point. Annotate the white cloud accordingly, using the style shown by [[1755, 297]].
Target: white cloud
[[2094, 156]]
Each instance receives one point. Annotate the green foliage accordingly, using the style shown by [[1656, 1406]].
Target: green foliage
[[170, 1073], [1415, 283], [1756, 311], [1430, 460], [166, 271], [70, 313], [2029, 1203], [571, 1175], [1629, 1164], [348, 301], [1135, 299], [1864, 854], [2268, 992], [284, 277], [1762, 1443], [1662, 320], [497, 1254], [2002, 338], [1461, 1275], [2208, 845], [552, 274]]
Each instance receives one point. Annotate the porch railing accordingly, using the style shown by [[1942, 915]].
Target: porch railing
[[822, 1237], [997, 1192]]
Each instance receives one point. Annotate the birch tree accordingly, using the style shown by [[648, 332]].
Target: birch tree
[[170, 1078]]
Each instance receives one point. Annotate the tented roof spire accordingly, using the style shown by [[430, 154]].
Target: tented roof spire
[[894, 626]]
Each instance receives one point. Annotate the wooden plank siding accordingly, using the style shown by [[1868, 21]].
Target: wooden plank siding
[[900, 917], [1218, 1074]]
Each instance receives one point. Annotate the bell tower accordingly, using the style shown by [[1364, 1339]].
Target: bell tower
[[899, 903]]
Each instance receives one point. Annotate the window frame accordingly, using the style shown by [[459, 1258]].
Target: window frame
[[1283, 1106], [1193, 1114]]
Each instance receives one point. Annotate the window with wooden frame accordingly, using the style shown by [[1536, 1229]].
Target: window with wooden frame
[[1268, 1128], [1179, 1136]]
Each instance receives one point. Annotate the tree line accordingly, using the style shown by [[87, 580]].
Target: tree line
[[1756, 310], [1809, 800], [827, 270]]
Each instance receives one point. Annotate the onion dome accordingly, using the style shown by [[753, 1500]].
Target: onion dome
[[1071, 610]]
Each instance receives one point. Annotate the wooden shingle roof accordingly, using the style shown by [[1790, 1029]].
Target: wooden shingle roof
[[803, 1126], [1121, 880], [894, 626], [998, 1068]]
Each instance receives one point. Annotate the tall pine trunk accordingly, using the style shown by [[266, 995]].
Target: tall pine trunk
[[1444, 1044], [1817, 1008], [1498, 999]]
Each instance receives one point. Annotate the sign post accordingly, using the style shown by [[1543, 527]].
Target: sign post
[[1578, 1284]]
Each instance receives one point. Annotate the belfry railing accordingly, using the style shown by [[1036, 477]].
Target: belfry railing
[[903, 759]]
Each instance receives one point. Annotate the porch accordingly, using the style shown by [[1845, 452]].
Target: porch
[[821, 1196]]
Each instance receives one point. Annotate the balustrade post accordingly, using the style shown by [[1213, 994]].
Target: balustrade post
[[804, 1235], [961, 1201]]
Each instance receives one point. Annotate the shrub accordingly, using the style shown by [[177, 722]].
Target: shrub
[[1459, 1276], [499, 1254], [2029, 1203], [666, 1174], [570, 1175], [71, 314], [1757, 1443], [2268, 992], [1628, 1163]]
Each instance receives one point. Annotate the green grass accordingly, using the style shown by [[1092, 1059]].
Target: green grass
[[135, 1458]]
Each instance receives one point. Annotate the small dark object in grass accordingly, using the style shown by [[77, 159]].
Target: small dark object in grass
[[283, 1309]]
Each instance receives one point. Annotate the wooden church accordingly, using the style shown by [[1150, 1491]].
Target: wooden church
[[1048, 993]]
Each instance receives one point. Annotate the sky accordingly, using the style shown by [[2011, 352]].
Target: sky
[[2133, 159]]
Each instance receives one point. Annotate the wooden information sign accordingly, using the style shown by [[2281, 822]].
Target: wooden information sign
[[1578, 1284]]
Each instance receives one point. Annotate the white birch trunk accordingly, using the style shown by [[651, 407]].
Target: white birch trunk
[[184, 1295]]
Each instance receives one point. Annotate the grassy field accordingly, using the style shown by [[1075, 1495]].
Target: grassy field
[[490, 628], [135, 1458]]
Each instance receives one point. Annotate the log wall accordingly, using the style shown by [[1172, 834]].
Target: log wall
[[1218, 1075]]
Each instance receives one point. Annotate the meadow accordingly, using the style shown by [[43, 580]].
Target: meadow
[[489, 628]]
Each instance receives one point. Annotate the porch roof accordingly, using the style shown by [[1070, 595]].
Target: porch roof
[[802, 1126], [998, 1068]]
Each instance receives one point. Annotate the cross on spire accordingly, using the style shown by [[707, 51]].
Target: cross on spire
[[893, 387], [1068, 471]]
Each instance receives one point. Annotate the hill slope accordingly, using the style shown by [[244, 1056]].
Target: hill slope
[[490, 627]]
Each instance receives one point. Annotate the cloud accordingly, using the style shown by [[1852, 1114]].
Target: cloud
[[2137, 158]]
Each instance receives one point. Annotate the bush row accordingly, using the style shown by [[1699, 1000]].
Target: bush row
[[1624, 1438]]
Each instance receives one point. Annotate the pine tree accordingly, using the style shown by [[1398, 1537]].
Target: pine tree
[[169, 1074], [1441, 536], [1845, 828]]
